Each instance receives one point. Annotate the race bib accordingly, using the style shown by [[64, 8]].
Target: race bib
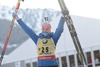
[[46, 47]]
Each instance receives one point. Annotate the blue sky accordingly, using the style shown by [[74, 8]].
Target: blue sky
[[86, 8]]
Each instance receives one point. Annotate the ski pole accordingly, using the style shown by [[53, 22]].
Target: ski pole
[[9, 32]]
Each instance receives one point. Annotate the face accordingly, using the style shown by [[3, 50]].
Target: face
[[46, 30]]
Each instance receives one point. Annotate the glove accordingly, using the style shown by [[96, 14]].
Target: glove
[[15, 15], [62, 16], [65, 12]]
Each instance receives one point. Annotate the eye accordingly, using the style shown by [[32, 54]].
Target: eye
[[46, 29], [43, 29]]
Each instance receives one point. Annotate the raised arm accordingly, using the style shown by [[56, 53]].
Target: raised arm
[[59, 29], [29, 31]]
